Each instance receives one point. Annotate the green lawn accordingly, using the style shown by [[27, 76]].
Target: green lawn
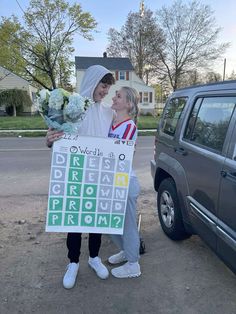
[[147, 122], [36, 122], [22, 123]]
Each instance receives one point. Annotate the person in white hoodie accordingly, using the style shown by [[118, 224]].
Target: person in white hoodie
[[95, 85]]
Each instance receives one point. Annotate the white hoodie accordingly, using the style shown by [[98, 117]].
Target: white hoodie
[[98, 118]]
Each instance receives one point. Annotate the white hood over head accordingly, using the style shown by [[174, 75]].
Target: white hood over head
[[98, 117], [92, 77]]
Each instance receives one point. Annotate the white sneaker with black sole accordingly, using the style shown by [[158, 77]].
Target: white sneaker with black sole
[[128, 270], [117, 258], [70, 275], [97, 265]]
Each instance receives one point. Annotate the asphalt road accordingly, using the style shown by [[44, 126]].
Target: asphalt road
[[177, 277], [25, 164]]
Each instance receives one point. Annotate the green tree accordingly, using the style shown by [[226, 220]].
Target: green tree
[[211, 77], [191, 35], [192, 77], [45, 40], [14, 99], [232, 76], [161, 92], [10, 53], [134, 41]]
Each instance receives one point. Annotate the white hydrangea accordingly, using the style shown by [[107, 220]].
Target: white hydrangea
[[75, 107], [61, 110], [56, 99], [42, 99], [44, 95]]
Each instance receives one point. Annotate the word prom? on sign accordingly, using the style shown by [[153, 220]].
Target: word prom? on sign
[[88, 191]]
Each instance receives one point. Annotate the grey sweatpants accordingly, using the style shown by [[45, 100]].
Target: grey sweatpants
[[129, 242]]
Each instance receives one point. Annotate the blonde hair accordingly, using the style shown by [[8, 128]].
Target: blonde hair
[[132, 96]]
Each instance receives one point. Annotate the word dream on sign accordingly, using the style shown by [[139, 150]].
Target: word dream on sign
[[89, 184]]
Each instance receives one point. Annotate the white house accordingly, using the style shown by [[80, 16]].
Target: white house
[[9, 80], [125, 76]]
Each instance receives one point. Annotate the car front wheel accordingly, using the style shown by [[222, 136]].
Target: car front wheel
[[169, 212]]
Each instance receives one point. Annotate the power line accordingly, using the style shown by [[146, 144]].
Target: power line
[[20, 6]]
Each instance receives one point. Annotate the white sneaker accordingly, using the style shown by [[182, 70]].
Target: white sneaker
[[117, 258], [128, 270], [70, 275], [97, 265]]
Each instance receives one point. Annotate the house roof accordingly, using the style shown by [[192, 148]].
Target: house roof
[[82, 63], [8, 72]]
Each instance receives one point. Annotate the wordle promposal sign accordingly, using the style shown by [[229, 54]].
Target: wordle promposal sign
[[89, 184]]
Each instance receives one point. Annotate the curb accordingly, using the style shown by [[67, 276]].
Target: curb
[[43, 130], [22, 131]]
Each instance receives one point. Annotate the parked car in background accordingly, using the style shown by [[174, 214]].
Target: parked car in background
[[194, 166]]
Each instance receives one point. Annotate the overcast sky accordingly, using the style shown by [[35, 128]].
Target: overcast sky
[[113, 13]]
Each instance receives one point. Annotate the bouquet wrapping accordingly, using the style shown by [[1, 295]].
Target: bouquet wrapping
[[62, 110]]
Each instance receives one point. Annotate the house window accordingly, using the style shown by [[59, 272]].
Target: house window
[[34, 97], [122, 75], [140, 97], [150, 97], [145, 97]]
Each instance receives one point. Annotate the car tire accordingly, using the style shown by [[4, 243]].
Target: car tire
[[169, 212]]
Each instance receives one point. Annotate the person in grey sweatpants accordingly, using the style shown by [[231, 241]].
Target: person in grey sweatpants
[[129, 242], [125, 104]]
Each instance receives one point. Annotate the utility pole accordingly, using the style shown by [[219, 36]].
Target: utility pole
[[140, 61], [224, 69], [141, 8]]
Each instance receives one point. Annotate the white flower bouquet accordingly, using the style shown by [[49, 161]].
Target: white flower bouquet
[[61, 110]]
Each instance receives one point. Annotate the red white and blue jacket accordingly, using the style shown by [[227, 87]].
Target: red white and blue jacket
[[124, 130]]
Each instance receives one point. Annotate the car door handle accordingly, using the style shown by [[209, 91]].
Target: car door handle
[[230, 175], [180, 150], [223, 173]]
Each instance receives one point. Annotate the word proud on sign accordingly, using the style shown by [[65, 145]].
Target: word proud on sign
[[88, 192]]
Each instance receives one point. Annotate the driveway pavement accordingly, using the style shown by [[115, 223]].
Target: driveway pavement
[[177, 277]]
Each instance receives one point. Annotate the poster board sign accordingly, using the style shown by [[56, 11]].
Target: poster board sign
[[89, 184]]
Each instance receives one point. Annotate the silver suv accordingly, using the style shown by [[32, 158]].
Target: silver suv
[[194, 166]]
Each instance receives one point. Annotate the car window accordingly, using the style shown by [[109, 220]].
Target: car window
[[171, 114], [209, 120]]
